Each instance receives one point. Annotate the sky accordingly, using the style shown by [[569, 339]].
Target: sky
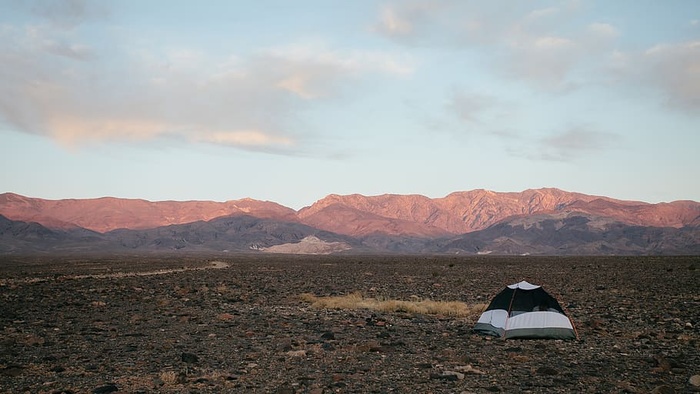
[[289, 101]]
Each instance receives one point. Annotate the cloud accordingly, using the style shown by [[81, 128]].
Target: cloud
[[252, 138], [393, 24], [669, 72], [312, 71], [67, 14], [411, 22], [545, 47], [603, 30], [675, 70], [555, 49], [565, 145], [470, 107], [75, 51], [574, 142], [545, 61], [57, 85]]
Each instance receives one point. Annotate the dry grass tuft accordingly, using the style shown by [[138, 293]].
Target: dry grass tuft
[[168, 377], [418, 306]]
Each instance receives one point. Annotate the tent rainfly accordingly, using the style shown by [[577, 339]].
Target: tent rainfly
[[524, 310]]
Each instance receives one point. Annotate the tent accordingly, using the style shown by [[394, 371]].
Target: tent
[[524, 310]]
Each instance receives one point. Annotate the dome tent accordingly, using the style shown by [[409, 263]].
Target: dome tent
[[524, 310]]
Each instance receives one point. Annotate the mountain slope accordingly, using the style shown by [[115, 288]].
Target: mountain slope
[[108, 213], [574, 233], [233, 233], [29, 237], [239, 233], [463, 212]]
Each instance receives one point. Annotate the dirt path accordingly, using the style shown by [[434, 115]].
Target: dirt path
[[120, 274]]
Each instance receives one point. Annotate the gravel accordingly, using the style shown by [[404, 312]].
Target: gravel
[[75, 325]]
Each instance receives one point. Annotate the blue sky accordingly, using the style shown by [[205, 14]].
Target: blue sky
[[290, 101]]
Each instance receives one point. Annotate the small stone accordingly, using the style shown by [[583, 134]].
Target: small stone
[[328, 335], [694, 380], [285, 345], [547, 371], [297, 353], [225, 316], [470, 369], [189, 358]]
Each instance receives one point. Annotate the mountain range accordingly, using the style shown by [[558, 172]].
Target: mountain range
[[535, 221]]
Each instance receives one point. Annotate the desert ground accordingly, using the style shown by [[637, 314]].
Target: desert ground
[[239, 324]]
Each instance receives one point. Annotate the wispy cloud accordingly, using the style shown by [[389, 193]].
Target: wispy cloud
[[574, 142], [56, 84], [469, 107], [67, 14], [540, 46], [412, 22]]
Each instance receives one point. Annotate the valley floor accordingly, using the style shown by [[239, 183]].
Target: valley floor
[[210, 324]]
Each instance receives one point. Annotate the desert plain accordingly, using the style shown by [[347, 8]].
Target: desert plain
[[245, 324]]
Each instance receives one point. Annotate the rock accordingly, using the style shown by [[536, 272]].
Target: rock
[[285, 345], [107, 388], [225, 316], [12, 370], [296, 353], [328, 335], [469, 369], [547, 371], [694, 380], [451, 376], [663, 389], [189, 358]]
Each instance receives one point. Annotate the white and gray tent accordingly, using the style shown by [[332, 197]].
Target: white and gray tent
[[524, 310]]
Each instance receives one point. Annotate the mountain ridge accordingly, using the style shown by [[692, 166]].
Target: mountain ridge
[[354, 214], [534, 221]]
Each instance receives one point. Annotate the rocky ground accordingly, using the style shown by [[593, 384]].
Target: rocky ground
[[184, 325]]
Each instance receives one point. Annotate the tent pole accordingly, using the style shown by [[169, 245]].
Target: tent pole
[[510, 307]]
